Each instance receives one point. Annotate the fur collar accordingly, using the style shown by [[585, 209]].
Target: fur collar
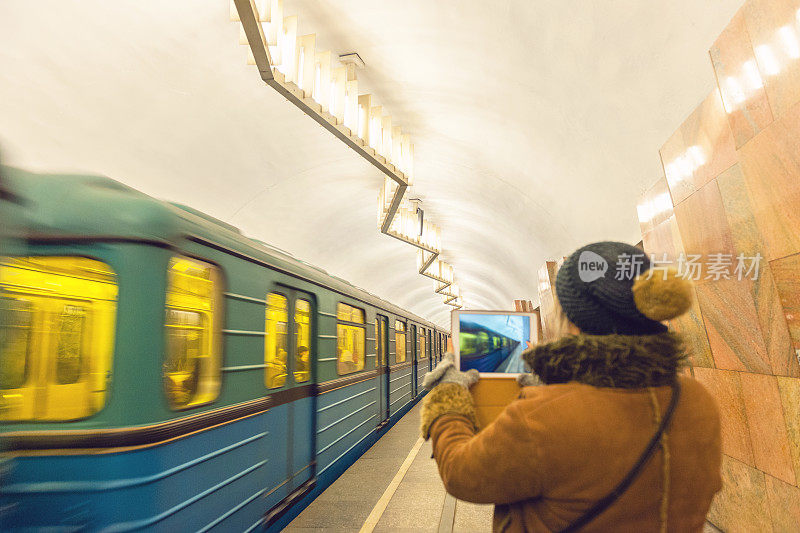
[[622, 361]]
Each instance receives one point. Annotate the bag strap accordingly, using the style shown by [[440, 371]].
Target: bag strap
[[634, 472]]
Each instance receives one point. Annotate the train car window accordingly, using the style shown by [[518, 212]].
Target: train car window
[[192, 364], [351, 339], [69, 351], [57, 327], [381, 349], [400, 341], [15, 342], [302, 328], [378, 351], [276, 346], [423, 352]]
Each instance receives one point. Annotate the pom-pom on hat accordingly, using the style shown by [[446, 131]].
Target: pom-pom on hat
[[605, 288]]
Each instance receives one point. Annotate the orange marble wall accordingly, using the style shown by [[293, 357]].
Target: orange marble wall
[[732, 186]]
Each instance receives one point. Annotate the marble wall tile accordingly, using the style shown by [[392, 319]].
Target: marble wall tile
[[771, 167], [703, 226], [774, 326], [789, 389], [741, 505], [702, 147], [774, 29], [731, 321], [762, 402], [786, 273], [784, 504], [740, 82], [674, 147], [693, 331], [655, 206], [726, 388], [747, 238], [748, 241], [664, 238]]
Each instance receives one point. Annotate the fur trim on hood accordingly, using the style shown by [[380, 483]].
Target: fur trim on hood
[[620, 361]]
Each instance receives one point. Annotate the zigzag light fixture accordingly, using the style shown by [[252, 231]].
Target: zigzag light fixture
[[329, 94]]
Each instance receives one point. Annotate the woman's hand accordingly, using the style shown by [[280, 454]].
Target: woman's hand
[[446, 372]]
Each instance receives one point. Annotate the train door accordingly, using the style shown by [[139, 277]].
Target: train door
[[68, 322], [414, 359], [382, 364], [424, 359], [56, 381], [299, 369]]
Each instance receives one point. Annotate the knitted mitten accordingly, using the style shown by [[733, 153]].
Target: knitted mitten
[[449, 394]]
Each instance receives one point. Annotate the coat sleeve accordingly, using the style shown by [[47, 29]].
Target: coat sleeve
[[500, 464]]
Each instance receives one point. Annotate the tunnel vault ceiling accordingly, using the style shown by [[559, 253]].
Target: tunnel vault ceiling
[[536, 123]]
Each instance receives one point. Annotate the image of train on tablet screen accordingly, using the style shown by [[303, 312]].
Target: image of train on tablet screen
[[493, 342]]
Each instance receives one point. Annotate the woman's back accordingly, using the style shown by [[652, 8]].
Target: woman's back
[[590, 437]]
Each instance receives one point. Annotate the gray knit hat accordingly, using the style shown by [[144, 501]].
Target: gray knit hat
[[595, 287]]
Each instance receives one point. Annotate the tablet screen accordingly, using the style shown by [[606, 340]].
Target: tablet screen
[[493, 342]]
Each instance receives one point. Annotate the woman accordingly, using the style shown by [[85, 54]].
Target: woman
[[573, 454]]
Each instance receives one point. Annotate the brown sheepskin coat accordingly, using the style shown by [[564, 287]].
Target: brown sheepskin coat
[[561, 447]]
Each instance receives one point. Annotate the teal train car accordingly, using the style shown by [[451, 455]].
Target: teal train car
[[160, 371]]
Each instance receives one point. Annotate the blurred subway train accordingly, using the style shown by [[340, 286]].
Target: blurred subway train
[[161, 371]]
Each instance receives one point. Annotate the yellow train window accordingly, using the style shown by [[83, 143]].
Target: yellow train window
[[422, 345], [193, 356], [302, 328], [378, 344], [57, 325], [276, 341], [351, 339], [69, 352], [15, 341], [400, 341]]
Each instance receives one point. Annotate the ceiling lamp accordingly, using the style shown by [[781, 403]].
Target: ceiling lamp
[[328, 93]]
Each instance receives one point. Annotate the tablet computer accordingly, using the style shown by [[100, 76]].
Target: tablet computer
[[493, 341]]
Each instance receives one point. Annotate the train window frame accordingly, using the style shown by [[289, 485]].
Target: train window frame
[[269, 363], [398, 332], [353, 332], [82, 278], [422, 343], [211, 320]]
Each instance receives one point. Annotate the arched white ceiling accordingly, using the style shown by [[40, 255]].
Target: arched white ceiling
[[536, 123]]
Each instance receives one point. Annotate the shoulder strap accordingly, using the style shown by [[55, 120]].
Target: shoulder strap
[[634, 472]]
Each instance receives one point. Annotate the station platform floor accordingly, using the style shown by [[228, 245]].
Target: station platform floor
[[395, 487]]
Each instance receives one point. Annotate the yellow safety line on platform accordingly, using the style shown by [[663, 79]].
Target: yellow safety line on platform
[[383, 502]]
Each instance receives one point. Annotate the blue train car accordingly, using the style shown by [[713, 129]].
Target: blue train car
[[161, 371]]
